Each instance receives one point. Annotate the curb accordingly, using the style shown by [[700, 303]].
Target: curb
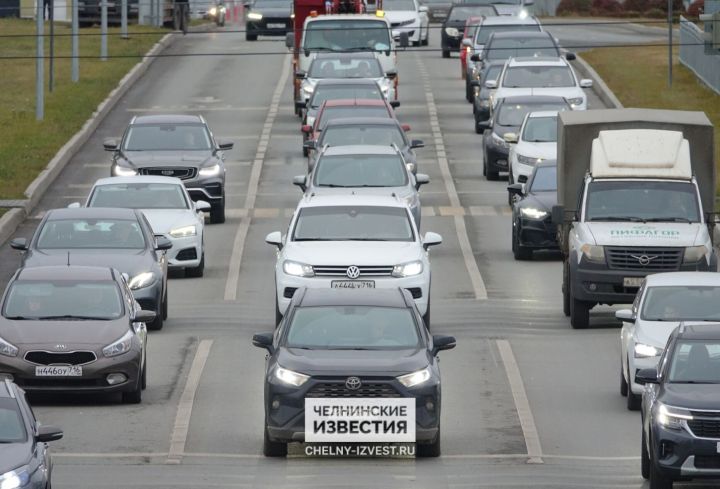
[[10, 221], [599, 86]]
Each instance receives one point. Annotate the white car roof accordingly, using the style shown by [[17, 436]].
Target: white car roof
[[683, 278], [351, 199], [138, 179], [537, 61], [360, 149], [510, 20], [323, 17]]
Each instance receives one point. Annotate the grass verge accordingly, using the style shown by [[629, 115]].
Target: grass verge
[[27, 145]]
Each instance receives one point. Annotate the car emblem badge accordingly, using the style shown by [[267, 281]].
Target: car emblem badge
[[353, 383], [60, 347], [353, 272], [644, 259], [168, 173]]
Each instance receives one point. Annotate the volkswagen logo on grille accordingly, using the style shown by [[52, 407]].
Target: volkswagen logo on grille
[[353, 272], [353, 383], [61, 347], [644, 259], [167, 173]]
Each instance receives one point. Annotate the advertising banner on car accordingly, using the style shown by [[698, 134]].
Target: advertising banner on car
[[357, 420]]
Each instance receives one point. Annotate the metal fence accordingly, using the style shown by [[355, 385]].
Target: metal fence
[[692, 55]]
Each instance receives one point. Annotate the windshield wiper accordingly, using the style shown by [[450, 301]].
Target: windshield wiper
[[618, 218], [313, 239], [366, 239], [73, 316], [332, 185], [668, 219], [693, 382], [20, 318]]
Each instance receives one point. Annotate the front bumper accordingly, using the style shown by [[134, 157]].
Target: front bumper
[[680, 455], [451, 43], [149, 297], [269, 26], [209, 189], [497, 157], [537, 233], [413, 32], [520, 171], [185, 252]]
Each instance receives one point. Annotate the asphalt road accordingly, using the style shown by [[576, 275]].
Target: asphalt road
[[521, 386]]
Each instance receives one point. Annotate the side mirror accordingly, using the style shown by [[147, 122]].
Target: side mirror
[[404, 40], [431, 239], [475, 57], [47, 433], [625, 315], [417, 143], [264, 340], [300, 181], [510, 137], [202, 206], [646, 376], [420, 180], [405, 127], [300, 75], [467, 42], [558, 215], [306, 129], [394, 104], [423, 8], [411, 167], [586, 83], [74, 205], [516, 189], [491, 84], [144, 316], [570, 56], [309, 144], [19, 244], [290, 40], [442, 342], [110, 144], [392, 74], [163, 244], [225, 145], [275, 239]]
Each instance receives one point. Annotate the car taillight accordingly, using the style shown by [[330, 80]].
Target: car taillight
[[468, 49]]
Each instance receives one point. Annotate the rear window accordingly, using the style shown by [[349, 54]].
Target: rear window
[[500, 49], [483, 34]]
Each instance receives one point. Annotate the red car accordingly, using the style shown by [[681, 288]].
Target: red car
[[346, 108], [471, 25]]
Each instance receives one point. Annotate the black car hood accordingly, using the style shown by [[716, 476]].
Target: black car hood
[[691, 396], [274, 12], [353, 362], [541, 200], [142, 159], [28, 335], [458, 24], [131, 262], [501, 130], [14, 455]]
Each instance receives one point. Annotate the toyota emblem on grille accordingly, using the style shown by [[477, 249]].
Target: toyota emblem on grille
[[353, 272], [168, 173], [644, 259], [353, 383]]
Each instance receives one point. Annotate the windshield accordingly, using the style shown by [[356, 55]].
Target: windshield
[[461, 14], [167, 137], [545, 179], [347, 35], [483, 34], [642, 201], [352, 111], [381, 135], [63, 299], [695, 362], [681, 303], [353, 223], [12, 427], [345, 68], [513, 114], [540, 130], [352, 327], [398, 5], [501, 49], [139, 196], [361, 171], [337, 92], [91, 234], [538, 77], [492, 73]]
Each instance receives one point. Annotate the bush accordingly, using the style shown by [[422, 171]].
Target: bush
[[570, 7], [605, 7], [696, 8]]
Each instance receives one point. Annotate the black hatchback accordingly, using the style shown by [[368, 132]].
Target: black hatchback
[[453, 28], [349, 347]]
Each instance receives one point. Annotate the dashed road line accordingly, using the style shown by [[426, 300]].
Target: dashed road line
[[426, 211]]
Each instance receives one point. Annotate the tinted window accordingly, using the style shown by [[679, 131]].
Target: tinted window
[[83, 233], [341, 35], [483, 34], [336, 92], [139, 196], [398, 5], [545, 179], [462, 13], [345, 68], [357, 223], [353, 327], [501, 49], [540, 130], [168, 137], [696, 362], [39, 300], [681, 303], [361, 171], [12, 427], [641, 201], [384, 135], [538, 77], [513, 114], [352, 111]]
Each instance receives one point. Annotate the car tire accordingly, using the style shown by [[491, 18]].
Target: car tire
[[566, 290], [134, 396], [658, 479], [273, 448], [644, 456], [623, 382], [478, 128], [426, 41], [160, 315], [469, 91], [197, 271], [143, 379], [633, 400], [520, 252], [579, 313], [416, 43], [445, 53], [217, 212], [305, 151], [165, 304], [250, 37], [492, 176], [428, 450]]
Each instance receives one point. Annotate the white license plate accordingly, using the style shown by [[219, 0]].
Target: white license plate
[[59, 371], [633, 281], [276, 26], [352, 284]]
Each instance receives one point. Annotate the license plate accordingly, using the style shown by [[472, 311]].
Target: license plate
[[59, 371], [276, 26], [633, 281], [352, 284], [718, 447]]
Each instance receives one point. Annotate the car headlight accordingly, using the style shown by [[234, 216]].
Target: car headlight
[[452, 32], [118, 347], [533, 213], [694, 253], [254, 16], [498, 141], [528, 160], [408, 269], [121, 171], [308, 89], [593, 253], [671, 418], [289, 377], [522, 14], [141, 280], [310, 121], [297, 269], [415, 378], [184, 231], [8, 349], [213, 11], [210, 171], [646, 351], [14, 479], [575, 102], [485, 103]]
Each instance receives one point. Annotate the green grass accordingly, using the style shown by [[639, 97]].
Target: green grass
[[27, 145], [639, 78]]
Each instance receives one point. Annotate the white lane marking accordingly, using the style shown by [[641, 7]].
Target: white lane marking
[[239, 244], [522, 405], [462, 235], [178, 438]]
